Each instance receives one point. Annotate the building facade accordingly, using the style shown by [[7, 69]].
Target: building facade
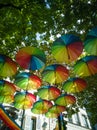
[[29, 121], [78, 121]]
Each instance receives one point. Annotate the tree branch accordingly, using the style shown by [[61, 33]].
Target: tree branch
[[9, 5]]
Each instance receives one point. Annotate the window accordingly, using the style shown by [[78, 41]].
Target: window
[[33, 123], [70, 119], [84, 119], [76, 119]]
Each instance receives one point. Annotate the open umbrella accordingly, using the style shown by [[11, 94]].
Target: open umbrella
[[86, 66], [74, 85], [6, 98], [7, 66], [67, 48], [90, 43], [51, 114], [7, 88], [41, 106], [55, 73], [31, 58], [24, 100], [48, 92], [57, 109], [27, 81], [65, 99]]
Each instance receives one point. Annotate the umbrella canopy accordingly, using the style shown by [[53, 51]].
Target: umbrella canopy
[[67, 48], [7, 66], [55, 73], [86, 66], [7, 88], [6, 98], [90, 43], [48, 92], [65, 99], [41, 106], [57, 109], [31, 58], [27, 81], [51, 114], [24, 100], [74, 85]]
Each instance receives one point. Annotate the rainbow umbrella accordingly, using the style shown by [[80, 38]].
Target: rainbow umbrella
[[7, 66], [86, 66], [31, 58], [65, 99], [57, 109], [67, 48], [24, 100], [6, 98], [90, 43], [51, 114], [55, 73], [41, 106], [48, 92], [74, 85], [7, 88], [27, 81]]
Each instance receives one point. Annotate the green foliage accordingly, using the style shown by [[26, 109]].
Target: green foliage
[[20, 21]]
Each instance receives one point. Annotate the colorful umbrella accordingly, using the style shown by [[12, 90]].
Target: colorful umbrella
[[86, 66], [51, 114], [48, 92], [65, 99], [7, 88], [41, 106], [6, 98], [7, 66], [67, 48], [74, 85], [31, 58], [55, 73], [57, 109], [90, 43], [24, 100], [27, 81]]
